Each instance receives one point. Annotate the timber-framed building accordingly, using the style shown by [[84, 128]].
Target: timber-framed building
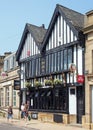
[[56, 53]]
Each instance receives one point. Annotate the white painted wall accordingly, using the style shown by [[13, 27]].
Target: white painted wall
[[29, 45], [80, 61], [72, 101], [55, 34]]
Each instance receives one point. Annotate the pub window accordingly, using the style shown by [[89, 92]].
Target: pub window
[[52, 60], [55, 60], [58, 61], [39, 66], [35, 105], [36, 66], [65, 59], [27, 69], [47, 64], [64, 98], [57, 99], [61, 60], [49, 100], [69, 56], [30, 69]]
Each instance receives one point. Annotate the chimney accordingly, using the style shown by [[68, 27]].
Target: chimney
[[43, 26], [7, 53]]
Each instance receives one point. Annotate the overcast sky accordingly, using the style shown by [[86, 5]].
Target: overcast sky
[[14, 14]]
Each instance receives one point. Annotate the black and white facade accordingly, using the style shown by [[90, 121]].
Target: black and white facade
[[49, 54]]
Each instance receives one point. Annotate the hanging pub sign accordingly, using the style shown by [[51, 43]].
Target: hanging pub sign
[[80, 78], [43, 65], [72, 67], [16, 84]]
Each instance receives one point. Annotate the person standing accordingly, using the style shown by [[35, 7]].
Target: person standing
[[10, 113], [26, 111], [22, 110]]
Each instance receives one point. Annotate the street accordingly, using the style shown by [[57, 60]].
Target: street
[[7, 126], [35, 125]]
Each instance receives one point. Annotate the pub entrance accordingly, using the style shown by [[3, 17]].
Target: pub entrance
[[76, 102], [80, 104]]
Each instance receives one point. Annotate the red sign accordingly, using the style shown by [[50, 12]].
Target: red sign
[[28, 53], [80, 78]]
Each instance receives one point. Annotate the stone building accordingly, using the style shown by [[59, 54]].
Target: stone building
[[88, 31], [8, 94]]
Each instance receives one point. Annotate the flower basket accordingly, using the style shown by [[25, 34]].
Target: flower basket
[[48, 83], [57, 82], [28, 84], [37, 84]]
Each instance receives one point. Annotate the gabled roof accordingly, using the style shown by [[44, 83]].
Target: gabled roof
[[76, 18], [73, 18], [37, 33]]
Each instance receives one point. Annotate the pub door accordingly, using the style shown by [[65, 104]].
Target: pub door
[[80, 104]]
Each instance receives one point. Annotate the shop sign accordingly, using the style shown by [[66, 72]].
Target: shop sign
[[16, 84], [80, 78]]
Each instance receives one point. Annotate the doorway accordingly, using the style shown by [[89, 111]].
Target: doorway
[[80, 104]]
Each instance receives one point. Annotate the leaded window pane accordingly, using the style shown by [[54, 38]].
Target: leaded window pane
[[65, 59]]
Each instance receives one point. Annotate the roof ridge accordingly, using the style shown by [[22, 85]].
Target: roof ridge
[[29, 24], [69, 9]]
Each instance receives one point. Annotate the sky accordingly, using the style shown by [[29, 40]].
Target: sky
[[14, 14]]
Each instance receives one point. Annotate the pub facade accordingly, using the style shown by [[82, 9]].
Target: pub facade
[[52, 67]]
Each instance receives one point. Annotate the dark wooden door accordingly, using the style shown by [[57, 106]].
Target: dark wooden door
[[80, 104]]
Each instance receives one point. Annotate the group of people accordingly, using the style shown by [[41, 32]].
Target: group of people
[[24, 112]]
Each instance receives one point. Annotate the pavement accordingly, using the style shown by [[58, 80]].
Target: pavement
[[40, 125]]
